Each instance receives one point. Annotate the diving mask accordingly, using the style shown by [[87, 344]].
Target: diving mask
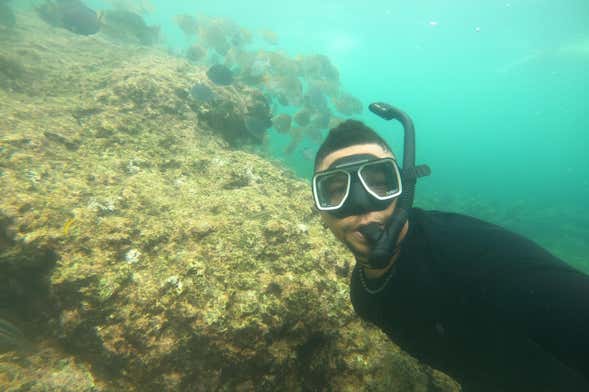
[[361, 180]]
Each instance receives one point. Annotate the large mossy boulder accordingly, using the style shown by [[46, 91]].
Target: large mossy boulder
[[179, 264]]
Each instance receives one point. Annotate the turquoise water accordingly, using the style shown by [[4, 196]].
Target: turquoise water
[[498, 91]]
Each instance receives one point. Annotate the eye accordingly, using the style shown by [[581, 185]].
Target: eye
[[332, 188]]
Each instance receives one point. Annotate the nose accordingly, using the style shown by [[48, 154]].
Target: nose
[[359, 201]]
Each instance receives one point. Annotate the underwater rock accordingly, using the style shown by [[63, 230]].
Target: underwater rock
[[11, 337], [220, 74], [281, 122], [253, 304], [200, 92], [239, 120], [61, 139], [48, 368], [72, 15], [11, 71]]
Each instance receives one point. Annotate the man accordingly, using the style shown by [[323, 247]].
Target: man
[[487, 306]]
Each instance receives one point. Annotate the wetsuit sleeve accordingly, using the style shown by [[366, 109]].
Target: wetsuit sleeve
[[524, 286], [551, 303]]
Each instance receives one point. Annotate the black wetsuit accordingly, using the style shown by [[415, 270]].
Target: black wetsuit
[[487, 306]]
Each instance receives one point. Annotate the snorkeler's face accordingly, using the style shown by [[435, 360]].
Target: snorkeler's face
[[346, 228]]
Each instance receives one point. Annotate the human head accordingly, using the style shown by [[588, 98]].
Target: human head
[[352, 138], [348, 133]]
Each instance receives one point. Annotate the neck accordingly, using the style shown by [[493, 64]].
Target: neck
[[373, 273]]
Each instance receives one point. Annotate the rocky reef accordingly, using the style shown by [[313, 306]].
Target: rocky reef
[[141, 252]]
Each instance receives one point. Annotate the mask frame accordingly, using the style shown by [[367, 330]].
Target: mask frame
[[355, 168]]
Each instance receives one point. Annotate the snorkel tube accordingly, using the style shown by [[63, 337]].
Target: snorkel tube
[[384, 241]]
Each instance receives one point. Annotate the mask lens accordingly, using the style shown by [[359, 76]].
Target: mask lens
[[332, 189], [381, 178]]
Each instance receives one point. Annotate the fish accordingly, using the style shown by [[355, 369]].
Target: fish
[[319, 67], [220, 74], [309, 153], [122, 23], [137, 6], [187, 24], [334, 122], [202, 93], [315, 99], [256, 126], [328, 87], [281, 122], [78, 18], [297, 136], [347, 104], [320, 120], [315, 134], [288, 90], [302, 117], [195, 53], [259, 67], [214, 35], [282, 99]]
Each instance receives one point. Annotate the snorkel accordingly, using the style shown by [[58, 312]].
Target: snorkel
[[384, 241]]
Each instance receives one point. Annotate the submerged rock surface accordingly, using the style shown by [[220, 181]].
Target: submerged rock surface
[[177, 263]]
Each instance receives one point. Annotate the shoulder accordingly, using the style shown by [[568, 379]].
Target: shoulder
[[464, 244], [454, 232]]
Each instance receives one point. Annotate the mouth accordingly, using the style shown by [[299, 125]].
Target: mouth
[[365, 232], [358, 235]]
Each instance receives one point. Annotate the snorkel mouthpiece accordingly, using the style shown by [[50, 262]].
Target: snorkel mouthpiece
[[383, 241], [372, 232]]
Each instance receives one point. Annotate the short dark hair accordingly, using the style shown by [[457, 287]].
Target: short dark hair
[[348, 133]]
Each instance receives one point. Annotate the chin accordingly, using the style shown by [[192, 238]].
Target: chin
[[359, 250]]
